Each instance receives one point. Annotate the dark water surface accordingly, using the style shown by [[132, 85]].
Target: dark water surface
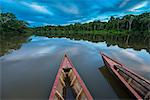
[[29, 73]]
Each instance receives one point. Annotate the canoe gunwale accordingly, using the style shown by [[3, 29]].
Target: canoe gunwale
[[122, 65], [107, 60], [54, 88], [135, 80]]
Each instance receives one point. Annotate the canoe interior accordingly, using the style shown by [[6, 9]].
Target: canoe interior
[[139, 86], [121, 91], [68, 84], [68, 80]]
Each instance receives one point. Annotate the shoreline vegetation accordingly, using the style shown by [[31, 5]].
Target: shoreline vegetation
[[129, 31]]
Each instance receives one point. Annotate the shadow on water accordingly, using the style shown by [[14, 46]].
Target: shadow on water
[[117, 86]]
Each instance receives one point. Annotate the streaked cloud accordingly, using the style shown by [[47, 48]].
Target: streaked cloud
[[139, 6], [30, 22], [71, 9], [37, 7], [64, 12], [123, 3]]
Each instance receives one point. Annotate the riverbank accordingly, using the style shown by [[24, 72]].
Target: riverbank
[[117, 31], [120, 39], [124, 39]]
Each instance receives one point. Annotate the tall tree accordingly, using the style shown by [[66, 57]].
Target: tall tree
[[129, 20]]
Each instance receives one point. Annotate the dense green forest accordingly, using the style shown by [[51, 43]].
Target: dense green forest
[[13, 32], [129, 25], [139, 23], [127, 31]]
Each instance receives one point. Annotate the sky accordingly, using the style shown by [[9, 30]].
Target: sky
[[64, 12]]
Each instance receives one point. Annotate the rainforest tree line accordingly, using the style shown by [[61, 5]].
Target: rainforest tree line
[[129, 23], [129, 28]]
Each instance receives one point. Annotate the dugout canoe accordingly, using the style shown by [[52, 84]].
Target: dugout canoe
[[138, 86], [68, 84]]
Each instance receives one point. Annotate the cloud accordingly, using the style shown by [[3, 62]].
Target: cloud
[[75, 21], [60, 12], [30, 22], [37, 7], [132, 55], [71, 9], [100, 17], [45, 24], [37, 38], [138, 6], [22, 54], [123, 3]]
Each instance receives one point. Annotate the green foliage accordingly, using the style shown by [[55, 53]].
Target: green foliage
[[12, 32], [127, 29], [11, 27], [131, 23]]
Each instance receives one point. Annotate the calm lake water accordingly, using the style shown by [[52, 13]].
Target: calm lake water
[[29, 73]]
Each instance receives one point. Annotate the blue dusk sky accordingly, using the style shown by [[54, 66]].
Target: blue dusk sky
[[63, 12]]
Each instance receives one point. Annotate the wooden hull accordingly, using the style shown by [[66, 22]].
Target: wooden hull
[[68, 72], [138, 86]]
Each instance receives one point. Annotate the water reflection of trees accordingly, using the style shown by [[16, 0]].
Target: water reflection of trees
[[135, 42], [130, 31]]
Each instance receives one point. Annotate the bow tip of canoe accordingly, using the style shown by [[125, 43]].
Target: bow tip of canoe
[[101, 53], [65, 55]]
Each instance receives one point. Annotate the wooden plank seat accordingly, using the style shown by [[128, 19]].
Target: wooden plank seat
[[138, 86], [68, 84]]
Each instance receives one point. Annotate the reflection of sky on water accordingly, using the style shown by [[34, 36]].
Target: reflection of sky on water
[[43, 55], [40, 46]]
